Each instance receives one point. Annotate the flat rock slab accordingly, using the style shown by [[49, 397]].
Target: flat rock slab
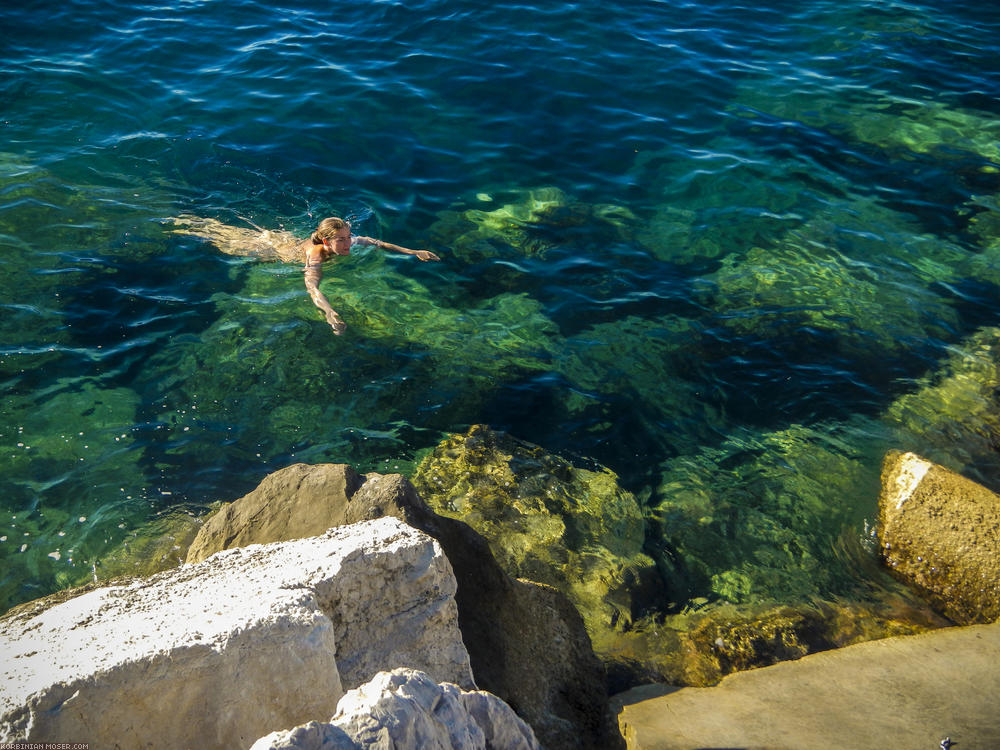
[[906, 693], [219, 653]]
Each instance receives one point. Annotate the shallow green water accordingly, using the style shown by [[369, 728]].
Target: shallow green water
[[733, 254]]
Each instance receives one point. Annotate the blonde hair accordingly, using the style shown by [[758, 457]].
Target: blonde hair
[[328, 229]]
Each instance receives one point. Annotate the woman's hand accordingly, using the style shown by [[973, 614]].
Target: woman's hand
[[425, 255], [335, 322]]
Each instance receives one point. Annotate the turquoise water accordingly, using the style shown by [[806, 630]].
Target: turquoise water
[[708, 246]]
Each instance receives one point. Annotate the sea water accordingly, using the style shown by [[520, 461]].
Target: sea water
[[713, 247]]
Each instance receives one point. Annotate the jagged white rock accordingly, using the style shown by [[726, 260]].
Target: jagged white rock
[[406, 708], [219, 653]]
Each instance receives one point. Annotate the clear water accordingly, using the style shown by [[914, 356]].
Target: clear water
[[735, 237]]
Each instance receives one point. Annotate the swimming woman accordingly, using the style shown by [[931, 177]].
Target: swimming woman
[[332, 238]]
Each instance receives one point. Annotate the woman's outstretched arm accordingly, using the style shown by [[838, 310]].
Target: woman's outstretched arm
[[422, 254]]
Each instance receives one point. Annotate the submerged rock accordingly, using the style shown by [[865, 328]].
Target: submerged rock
[[527, 225], [526, 642], [810, 282], [405, 708], [94, 450], [547, 520], [155, 546], [984, 227], [952, 416], [702, 214], [759, 516], [219, 653], [698, 648], [270, 353], [607, 364], [940, 532], [891, 123]]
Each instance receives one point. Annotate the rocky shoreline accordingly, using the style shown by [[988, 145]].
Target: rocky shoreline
[[324, 601]]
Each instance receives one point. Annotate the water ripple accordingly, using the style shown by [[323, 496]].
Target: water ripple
[[663, 226]]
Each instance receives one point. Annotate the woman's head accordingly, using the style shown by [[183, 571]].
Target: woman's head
[[328, 229], [334, 234]]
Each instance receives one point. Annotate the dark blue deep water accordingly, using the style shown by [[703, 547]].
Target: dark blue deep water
[[726, 250]]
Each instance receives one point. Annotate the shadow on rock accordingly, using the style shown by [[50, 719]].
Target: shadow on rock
[[526, 642]]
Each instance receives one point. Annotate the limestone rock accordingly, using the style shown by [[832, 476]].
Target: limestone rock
[[526, 642], [904, 692], [288, 504], [405, 708], [940, 532], [548, 521], [219, 653]]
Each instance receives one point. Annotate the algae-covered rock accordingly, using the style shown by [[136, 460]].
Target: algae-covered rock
[[530, 223], [984, 223], [94, 453], [608, 364], [699, 647], [803, 284], [940, 532], [984, 227], [547, 520], [924, 127], [295, 389], [759, 516], [883, 120], [154, 546], [952, 416], [730, 201]]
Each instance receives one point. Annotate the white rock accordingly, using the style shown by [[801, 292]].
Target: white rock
[[406, 708], [251, 640]]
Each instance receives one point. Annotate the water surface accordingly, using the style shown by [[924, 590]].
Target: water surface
[[708, 246]]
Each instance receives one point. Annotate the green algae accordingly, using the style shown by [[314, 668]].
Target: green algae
[[151, 547], [983, 225], [546, 520], [531, 223], [294, 388], [700, 647], [896, 124], [926, 127], [93, 454], [775, 290], [748, 539], [759, 516], [952, 416], [732, 200], [834, 274]]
